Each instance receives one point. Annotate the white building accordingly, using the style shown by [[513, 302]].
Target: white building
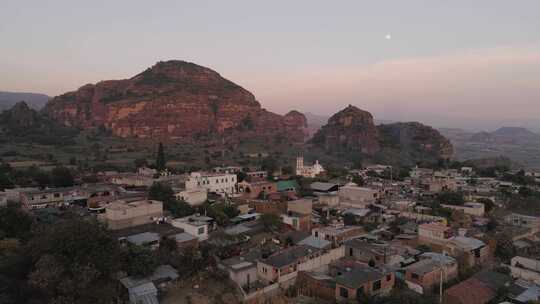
[[196, 228], [221, 183], [308, 171], [193, 197], [525, 268]]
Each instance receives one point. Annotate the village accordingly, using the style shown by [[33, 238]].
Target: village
[[427, 236]]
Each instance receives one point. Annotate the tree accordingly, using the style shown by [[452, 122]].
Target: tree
[[179, 208], [161, 192], [231, 210], [14, 223], [140, 162], [505, 248], [271, 222], [61, 177], [140, 261], [164, 193], [357, 179], [76, 261], [269, 164], [525, 191], [349, 219], [423, 248], [451, 198], [488, 204], [160, 158], [242, 176], [5, 181]]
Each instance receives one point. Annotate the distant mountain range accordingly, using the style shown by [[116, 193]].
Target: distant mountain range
[[518, 143], [506, 135], [35, 101]]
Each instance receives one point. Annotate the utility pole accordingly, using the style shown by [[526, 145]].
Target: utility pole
[[441, 284]]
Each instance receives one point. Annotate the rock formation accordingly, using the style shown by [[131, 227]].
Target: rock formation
[[353, 131], [173, 100]]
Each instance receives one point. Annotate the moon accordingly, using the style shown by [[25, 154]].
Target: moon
[[388, 37]]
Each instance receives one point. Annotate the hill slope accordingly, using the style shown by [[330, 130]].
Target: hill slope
[[352, 132], [173, 100]]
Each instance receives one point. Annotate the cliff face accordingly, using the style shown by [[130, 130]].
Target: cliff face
[[171, 100], [353, 130]]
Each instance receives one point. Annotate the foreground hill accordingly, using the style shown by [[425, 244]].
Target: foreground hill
[[33, 100], [353, 132], [173, 100]]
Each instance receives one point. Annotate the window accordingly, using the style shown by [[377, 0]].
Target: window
[[388, 277], [377, 285], [343, 292], [201, 230], [360, 291], [351, 252], [316, 234], [415, 276], [57, 195]]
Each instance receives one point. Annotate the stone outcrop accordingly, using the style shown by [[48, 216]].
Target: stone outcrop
[[173, 100], [420, 143], [352, 130]]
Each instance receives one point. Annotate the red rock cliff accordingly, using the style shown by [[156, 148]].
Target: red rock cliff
[[172, 100]]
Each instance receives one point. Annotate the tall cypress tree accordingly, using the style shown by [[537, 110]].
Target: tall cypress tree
[[160, 159]]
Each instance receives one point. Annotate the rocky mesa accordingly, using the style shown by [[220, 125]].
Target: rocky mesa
[[352, 130], [173, 100]]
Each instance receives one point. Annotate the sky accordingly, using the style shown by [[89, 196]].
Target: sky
[[461, 63]]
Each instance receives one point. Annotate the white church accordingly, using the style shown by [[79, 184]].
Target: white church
[[308, 171]]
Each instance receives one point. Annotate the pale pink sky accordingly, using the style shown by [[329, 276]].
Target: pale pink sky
[[448, 63]]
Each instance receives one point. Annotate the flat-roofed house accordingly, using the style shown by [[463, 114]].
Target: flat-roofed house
[[424, 275], [193, 226], [522, 220], [355, 196], [356, 282], [471, 251], [337, 235], [434, 234], [147, 239], [122, 214], [285, 262], [256, 189]]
